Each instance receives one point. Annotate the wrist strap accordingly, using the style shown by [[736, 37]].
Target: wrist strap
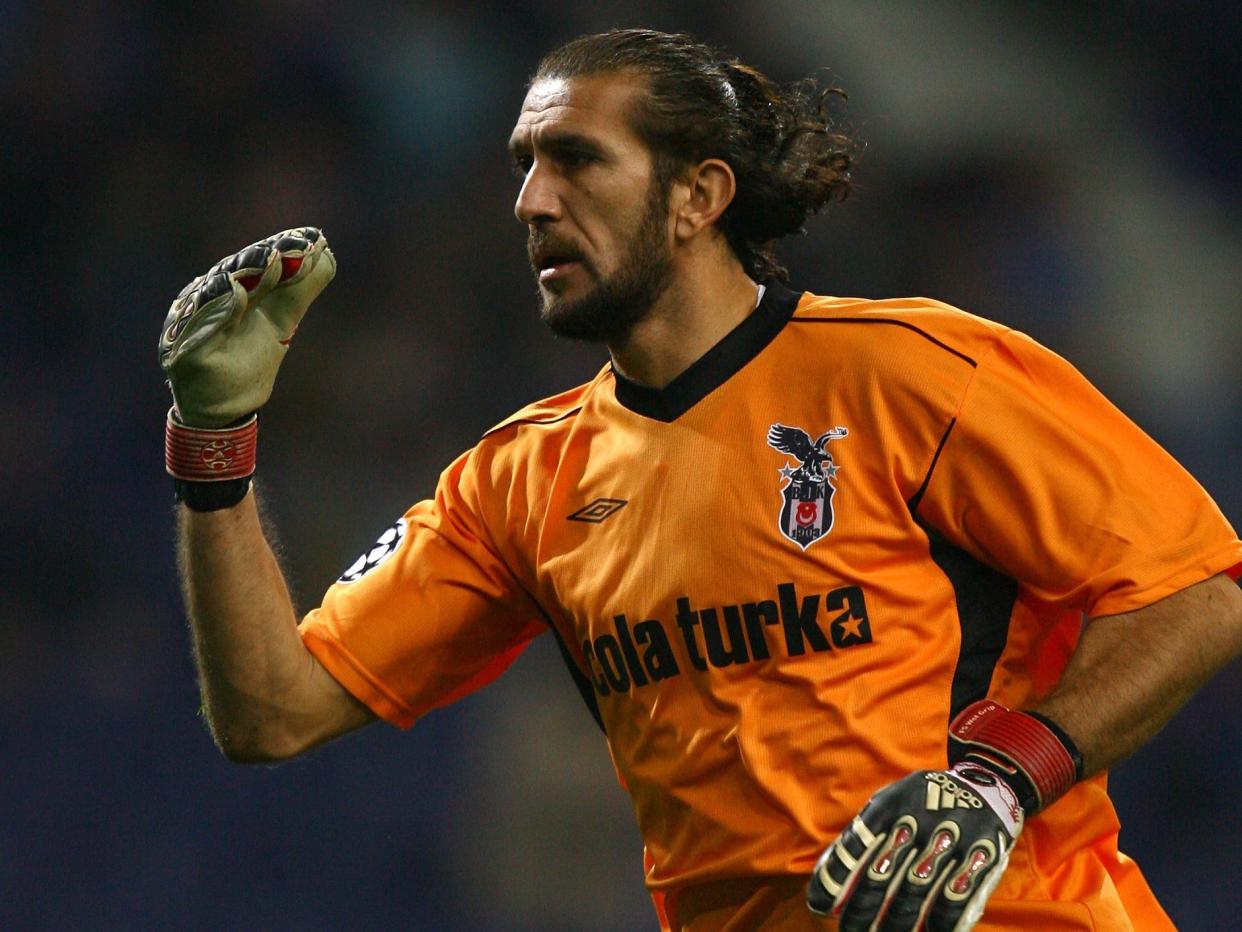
[[199, 454], [1030, 752], [210, 496], [211, 469]]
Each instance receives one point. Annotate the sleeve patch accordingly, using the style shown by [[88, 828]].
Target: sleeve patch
[[384, 547]]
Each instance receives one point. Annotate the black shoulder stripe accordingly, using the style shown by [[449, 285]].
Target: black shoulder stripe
[[886, 320], [917, 497], [513, 422]]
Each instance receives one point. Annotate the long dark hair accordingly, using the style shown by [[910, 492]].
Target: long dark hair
[[789, 158]]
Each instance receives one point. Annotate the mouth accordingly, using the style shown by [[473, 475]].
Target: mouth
[[551, 268], [553, 258]]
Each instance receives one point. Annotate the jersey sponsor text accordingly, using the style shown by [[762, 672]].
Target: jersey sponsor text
[[641, 654]]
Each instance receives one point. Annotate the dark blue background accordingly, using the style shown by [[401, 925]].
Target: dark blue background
[[1073, 174]]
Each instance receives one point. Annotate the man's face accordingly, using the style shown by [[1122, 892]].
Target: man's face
[[597, 217]]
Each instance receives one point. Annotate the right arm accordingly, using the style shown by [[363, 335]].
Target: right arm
[[265, 695]]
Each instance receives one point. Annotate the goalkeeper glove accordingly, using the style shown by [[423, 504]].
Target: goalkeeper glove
[[221, 345], [927, 851]]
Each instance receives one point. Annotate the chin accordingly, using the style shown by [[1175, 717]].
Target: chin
[[561, 300], [563, 318], [576, 319], [604, 308]]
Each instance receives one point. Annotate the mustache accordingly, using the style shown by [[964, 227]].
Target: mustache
[[540, 243]]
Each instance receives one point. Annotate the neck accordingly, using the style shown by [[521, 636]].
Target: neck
[[701, 306]]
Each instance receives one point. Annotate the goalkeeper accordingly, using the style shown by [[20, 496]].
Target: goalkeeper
[[845, 680]]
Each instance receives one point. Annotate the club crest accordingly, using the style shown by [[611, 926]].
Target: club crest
[[807, 512]]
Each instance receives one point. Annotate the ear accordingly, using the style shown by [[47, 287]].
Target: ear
[[707, 189]]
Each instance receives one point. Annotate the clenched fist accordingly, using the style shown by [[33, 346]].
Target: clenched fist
[[228, 330]]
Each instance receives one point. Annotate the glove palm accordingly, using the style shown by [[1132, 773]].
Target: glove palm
[[227, 332]]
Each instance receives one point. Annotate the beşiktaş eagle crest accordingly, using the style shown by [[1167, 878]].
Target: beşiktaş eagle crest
[[797, 443]]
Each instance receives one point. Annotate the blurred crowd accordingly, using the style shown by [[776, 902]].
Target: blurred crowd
[[1070, 170]]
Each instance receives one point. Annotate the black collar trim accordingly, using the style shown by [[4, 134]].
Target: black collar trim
[[711, 370]]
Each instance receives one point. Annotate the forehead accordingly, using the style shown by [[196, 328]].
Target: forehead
[[592, 105]]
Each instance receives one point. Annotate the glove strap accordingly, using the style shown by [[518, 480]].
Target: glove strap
[[211, 469], [210, 496], [1029, 751]]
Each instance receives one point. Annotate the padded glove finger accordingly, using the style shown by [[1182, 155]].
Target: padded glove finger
[[874, 887], [307, 266], [924, 853], [228, 330]]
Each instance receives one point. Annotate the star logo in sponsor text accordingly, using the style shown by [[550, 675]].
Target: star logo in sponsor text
[[851, 627]]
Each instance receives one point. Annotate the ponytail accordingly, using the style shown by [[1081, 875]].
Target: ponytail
[[789, 158]]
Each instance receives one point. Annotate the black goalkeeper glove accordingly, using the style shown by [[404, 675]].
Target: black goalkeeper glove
[[927, 851]]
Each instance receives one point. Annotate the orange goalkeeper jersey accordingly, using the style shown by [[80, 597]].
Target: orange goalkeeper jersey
[[779, 577]]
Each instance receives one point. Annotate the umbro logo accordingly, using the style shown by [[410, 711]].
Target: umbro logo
[[599, 510]]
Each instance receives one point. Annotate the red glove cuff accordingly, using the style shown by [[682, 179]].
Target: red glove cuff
[[198, 454], [1034, 754]]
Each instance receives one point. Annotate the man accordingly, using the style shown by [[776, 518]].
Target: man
[[816, 564]]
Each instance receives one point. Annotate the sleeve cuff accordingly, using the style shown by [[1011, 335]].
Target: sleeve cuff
[[350, 673]]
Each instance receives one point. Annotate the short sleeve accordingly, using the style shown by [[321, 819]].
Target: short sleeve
[[429, 614], [1043, 478]]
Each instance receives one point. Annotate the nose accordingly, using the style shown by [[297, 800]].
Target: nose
[[538, 201]]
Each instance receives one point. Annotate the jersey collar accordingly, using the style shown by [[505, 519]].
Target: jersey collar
[[715, 367]]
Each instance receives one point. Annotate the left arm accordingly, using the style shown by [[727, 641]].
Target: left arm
[[1130, 673], [928, 850], [1089, 512]]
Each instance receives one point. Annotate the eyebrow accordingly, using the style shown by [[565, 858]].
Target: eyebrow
[[558, 141]]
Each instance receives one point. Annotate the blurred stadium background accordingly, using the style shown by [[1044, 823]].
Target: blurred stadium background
[[1071, 169]]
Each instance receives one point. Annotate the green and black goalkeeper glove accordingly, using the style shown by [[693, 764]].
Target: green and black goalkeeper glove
[[221, 346]]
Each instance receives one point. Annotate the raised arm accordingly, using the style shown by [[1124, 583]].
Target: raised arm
[[266, 697]]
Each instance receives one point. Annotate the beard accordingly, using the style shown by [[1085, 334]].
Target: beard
[[610, 310]]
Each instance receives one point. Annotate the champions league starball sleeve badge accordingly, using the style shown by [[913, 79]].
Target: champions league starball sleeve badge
[[384, 548]]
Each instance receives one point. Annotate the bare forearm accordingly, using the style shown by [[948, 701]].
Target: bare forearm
[[252, 664], [1132, 672]]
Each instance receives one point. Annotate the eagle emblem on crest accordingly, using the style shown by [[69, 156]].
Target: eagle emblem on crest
[[806, 514]]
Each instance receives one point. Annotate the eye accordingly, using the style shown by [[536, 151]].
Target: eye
[[520, 165], [575, 158]]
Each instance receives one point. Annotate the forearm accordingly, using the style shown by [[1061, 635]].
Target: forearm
[[251, 662], [1132, 672], [265, 695]]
